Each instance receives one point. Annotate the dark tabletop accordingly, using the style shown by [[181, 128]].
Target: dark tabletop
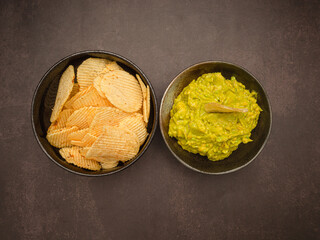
[[275, 197]]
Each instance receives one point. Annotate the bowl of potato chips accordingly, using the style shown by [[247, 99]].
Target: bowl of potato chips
[[94, 113]]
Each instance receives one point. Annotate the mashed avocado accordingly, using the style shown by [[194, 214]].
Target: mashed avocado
[[215, 135]]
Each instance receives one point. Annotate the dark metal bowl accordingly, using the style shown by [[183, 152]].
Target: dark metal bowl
[[245, 153], [43, 102]]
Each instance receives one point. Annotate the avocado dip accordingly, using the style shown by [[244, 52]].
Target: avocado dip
[[215, 135]]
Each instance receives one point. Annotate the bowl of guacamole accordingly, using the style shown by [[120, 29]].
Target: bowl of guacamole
[[215, 142]]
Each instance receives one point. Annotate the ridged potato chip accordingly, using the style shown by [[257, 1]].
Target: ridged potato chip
[[143, 87], [109, 67], [109, 165], [112, 66], [144, 103], [82, 117], [114, 144], [75, 90], [148, 104], [64, 90], [88, 140], [106, 116], [122, 90], [96, 84], [59, 138], [65, 152], [144, 111], [91, 98], [84, 150], [76, 143], [77, 159], [89, 70], [78, 95], [61, 121], [63, 117], [78, 135], [136, 124], [140, 111]]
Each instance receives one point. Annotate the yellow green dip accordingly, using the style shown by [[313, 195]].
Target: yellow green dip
[[215, 135]]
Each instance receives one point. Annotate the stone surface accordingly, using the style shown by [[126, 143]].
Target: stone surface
[[275, 197]]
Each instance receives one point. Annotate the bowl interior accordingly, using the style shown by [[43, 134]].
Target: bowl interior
[[245, 152], [44, 100]]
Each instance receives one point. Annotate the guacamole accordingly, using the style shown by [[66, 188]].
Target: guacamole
[[215, 135]]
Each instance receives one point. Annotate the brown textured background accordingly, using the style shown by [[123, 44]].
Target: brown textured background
[[275, 197]]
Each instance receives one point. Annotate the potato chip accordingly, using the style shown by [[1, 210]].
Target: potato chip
[[136, 124], [144, 103], [114, 144], [144, 93], [84, 150], [77, 159], [82, 117], [140, 111], [59, 138], [112, 66], [91, 98], [89, 70], [69, 103], [65, 152], [64, 90], [144, 111], [78, 135], [122, 90], [63, 117], [109, 67], [75, 90], [143, 87], [76, 143], [61, 121], [106, 116], [88, 140], [109, 165], [91, 115], [96, 84], [148, 104]]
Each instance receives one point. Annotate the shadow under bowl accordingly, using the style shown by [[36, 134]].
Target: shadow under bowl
[[245, 153]]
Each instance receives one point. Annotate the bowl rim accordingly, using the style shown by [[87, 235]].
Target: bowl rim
[[152, 133], [162, 130]]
